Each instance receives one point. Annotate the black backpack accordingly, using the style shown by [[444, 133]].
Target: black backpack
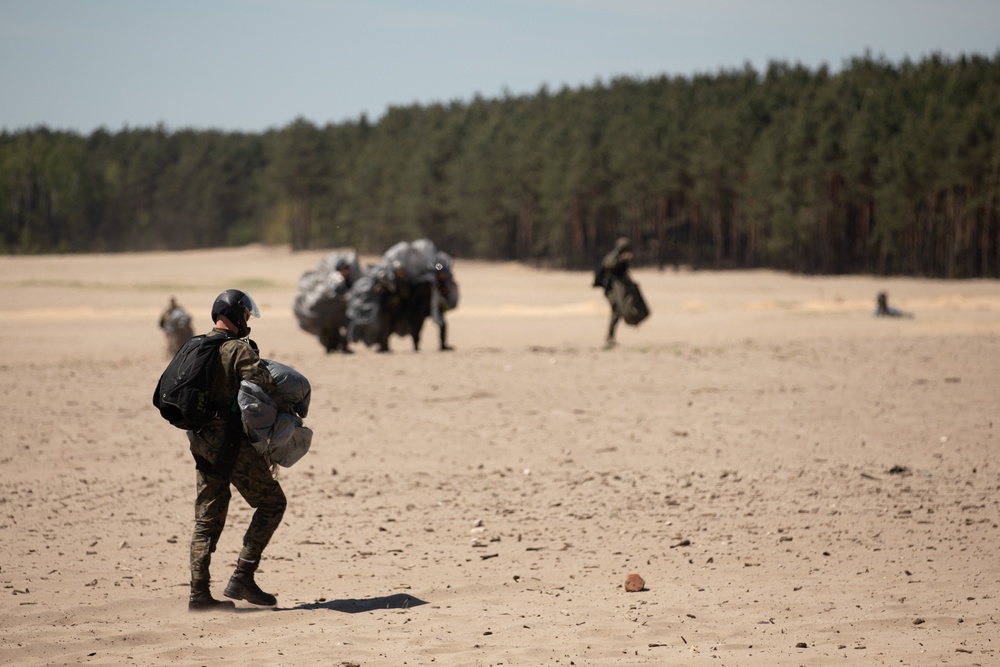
[[182, 392]]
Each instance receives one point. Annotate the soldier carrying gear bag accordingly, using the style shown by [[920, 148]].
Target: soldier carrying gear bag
[[224, 457], [619, 289], [176, 325]]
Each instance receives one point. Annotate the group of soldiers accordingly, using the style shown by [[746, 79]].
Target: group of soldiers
[[342, 302]]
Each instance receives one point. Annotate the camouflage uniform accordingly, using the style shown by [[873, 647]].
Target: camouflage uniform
[[176, 324], [615, 276], [392, 290], [223, 456]]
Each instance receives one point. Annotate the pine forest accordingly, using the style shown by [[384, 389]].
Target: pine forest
[[882, 168]]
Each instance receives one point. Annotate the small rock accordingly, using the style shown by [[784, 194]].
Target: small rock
[[801, 645], [634, 583]]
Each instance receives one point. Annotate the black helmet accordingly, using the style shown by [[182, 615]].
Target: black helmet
[[237, 307]]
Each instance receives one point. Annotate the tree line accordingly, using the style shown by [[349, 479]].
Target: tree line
[[885, 168]]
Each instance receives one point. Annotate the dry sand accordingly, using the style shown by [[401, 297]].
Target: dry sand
[[797, 481]]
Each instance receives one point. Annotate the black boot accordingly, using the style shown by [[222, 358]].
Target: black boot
[[201, 599], [444, 338], [243, 587]]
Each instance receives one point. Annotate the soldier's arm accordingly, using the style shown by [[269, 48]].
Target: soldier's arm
[[251, 368], [610, 261]]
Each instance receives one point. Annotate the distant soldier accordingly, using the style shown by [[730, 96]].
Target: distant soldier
[[324, 293], [343, 267], [883, 309], [176, 324], [443, 293], [619, 289], [444, 298], [395, 295]]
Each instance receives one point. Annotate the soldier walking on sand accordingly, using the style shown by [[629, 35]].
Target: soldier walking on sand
[[176, 324], [623, 293], [224, 457], [614, 280]]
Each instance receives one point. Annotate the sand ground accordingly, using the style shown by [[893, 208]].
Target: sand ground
[[798, 482]]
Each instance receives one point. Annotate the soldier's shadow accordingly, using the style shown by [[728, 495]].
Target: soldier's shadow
[[397, 601]]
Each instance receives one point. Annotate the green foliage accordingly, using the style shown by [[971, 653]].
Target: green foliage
[[880, 168]]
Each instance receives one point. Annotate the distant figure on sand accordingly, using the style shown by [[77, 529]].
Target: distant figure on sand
[[883, 309], [619, 289], [444, 297], [176, 324], [324, 293]]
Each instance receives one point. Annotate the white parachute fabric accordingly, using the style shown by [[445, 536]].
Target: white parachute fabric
[[445, 261], [363, 310], [321, 302], [416, 261], [177, 321], [320, 305], [281, 437], [440, 267], [344, 256], [292, 386]]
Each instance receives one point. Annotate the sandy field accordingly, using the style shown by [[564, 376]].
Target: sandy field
[[797, 482]]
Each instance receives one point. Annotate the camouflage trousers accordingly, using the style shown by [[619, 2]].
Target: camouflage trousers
[[252, 478], [615, 295]]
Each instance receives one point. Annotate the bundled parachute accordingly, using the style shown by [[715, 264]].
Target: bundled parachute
[[321, 303], [412, 281], [416, 260], [280, 437], [365, 306], [445, 295]]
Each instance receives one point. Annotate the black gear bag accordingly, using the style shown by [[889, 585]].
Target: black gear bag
[[182, 393]]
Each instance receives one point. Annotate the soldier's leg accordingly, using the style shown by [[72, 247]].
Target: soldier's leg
[[343, 345], [416, 324], [613, 324], [252, 478], [444, 335], [210, 509], [385, 327]]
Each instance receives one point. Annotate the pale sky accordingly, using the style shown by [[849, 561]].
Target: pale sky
[[252, 65]]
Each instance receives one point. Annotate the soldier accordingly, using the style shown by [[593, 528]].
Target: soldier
[[441, 302], [343, 267], [394, 289], [223, 458], [176, 324], [343, 292], [883, 309], [614, 278]]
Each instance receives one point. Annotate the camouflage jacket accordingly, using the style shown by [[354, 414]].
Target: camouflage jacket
[[615, 266], [237, 361]]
